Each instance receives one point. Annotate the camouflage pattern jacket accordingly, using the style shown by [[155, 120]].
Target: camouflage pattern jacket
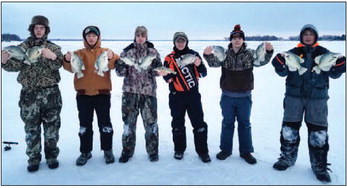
[[139, 81], [42, 74], [237, 69]]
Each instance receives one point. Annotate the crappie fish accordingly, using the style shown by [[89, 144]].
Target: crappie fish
[[15, 52], [146, 61], [259, 54], [186, 60], [165, 69], [34, 53], [101, 64], [77, 65], [325, 61], [219, 52], [293, 61], [131, 62]]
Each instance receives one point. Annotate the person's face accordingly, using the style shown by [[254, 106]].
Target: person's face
[[237, 41], [308, 37], [140, 38], [39, 31], [91, 38], [180, 44]]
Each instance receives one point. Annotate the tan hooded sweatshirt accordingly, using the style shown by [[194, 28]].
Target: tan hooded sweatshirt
[[92, 83]]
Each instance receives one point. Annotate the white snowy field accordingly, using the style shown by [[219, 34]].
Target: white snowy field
[[266, 118]]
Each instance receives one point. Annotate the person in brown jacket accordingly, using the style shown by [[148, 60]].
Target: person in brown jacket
[[93, 93]]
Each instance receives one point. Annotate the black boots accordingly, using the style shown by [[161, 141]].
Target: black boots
[[205, 158], [222, 155], [281, 164], [126, 155], [109, 157], [33, 167], [321, 172], [179, 155], [248, 158], [83, 158], [153, 157]]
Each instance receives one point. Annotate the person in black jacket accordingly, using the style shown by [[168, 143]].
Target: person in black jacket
[[306, 94], [184, 96]]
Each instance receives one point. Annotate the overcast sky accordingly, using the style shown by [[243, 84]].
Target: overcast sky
[[201, 20]]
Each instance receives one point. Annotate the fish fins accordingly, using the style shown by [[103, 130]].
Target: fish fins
[[302, 70], [79, 75]]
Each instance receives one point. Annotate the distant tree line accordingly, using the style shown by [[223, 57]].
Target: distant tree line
[[291, 38], [9, 37]]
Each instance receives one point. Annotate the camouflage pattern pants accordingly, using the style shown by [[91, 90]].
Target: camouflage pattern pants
[[41, 106], [132, 104]]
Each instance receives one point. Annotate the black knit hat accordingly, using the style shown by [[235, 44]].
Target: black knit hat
[[237, 30], [91, 29], [311, 28], [39, 20]]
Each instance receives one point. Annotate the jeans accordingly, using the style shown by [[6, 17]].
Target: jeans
[[236, 108]]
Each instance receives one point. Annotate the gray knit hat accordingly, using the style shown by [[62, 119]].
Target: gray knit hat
[[141, 30], [311, 28], [179, 35]]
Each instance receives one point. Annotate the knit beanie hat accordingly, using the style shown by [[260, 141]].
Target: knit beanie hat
[[91, 29], [180, 35], [142, 30], [237, 30], [39, 20], [311, 28]]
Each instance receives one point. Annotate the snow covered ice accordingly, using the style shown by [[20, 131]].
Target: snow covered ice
[[266, 118]]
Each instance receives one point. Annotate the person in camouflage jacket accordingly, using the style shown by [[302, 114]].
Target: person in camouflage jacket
[[237, 83], [139, 94], [40, 98]]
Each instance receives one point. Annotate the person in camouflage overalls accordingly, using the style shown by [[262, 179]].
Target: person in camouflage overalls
[[40, 98], [139, 94]]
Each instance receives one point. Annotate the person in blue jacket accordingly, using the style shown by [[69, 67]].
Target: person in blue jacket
[[306, 97]]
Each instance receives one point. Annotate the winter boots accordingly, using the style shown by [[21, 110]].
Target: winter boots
[[109, 157], [83, 158], [178, 155], [248, 158], [53, 163], [126, 155], [222, 155], [281, 164], [205, 158], [321, 172], [33, 167], [153, 157]]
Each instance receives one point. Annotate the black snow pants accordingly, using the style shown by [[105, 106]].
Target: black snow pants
[[180, 102], [86, 106]]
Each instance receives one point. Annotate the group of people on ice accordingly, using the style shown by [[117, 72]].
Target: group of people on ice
[[41, 102]]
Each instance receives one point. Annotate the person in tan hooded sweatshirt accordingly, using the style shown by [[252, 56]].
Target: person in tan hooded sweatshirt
[[93, 93]]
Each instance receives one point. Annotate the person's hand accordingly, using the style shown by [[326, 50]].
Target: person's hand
[[279, 62], [268, 46], [208, 50], [340, 64], [67, 56], [197, 62], [5, 56], [109, 54], [47, 53]]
